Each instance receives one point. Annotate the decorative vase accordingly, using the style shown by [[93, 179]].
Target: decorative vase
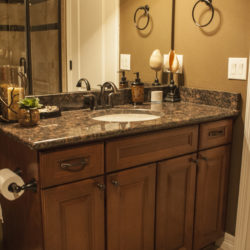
[[172, 64], [155, 63], [156, 60], [28, 117]]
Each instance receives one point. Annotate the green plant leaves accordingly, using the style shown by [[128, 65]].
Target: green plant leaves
[[29, 103]]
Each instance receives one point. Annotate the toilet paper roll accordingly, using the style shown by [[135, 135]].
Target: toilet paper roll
[[8, 177]]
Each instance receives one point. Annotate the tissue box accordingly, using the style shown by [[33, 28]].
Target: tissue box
[[11, 96]]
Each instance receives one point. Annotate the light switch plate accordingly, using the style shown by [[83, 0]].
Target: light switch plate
[[237, 68], [180, 59], [125, 62]]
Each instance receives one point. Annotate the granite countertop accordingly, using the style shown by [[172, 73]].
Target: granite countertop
[[77, 126]]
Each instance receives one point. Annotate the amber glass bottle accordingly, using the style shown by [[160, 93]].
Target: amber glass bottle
[[137, 89]]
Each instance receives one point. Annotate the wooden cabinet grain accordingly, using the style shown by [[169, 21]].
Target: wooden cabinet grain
[[175, 203], [211, 196], [170, 204], [74, 216], [131, 209]]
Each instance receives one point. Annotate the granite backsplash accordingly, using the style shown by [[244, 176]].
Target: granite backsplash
[[75, 100]]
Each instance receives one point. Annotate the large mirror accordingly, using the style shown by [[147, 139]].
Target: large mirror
[[65, 40]]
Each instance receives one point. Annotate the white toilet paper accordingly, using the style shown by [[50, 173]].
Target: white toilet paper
[[8, 177]]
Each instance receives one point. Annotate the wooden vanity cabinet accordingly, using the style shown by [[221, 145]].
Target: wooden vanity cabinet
[[131, 209], [73, 216], [211, 196], [164, 190], [176, 183]]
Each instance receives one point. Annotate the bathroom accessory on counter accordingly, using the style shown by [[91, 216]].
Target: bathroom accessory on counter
[[155, 63], [28, 114], [172, 65], [79, 84], [49, 112], [123, 82], [137, 89], [146, 13], [156, 96], [210, 5]]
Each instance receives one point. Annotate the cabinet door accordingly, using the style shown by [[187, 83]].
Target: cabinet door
[[74, 216], [131, 209], [175, 203], [211, 196]]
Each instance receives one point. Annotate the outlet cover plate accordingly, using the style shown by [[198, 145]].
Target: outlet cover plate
[[125, 62], [237, 68]]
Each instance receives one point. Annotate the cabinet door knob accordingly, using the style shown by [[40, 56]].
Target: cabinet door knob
[[115, 183], [101, 186]]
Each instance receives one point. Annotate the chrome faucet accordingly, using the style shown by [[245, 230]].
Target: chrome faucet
[[79, 84], [114, 90]]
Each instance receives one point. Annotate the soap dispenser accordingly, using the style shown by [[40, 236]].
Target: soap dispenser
[[137, 89], [123, 82]]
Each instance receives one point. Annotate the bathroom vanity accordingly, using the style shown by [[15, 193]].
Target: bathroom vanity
[[158, 184]]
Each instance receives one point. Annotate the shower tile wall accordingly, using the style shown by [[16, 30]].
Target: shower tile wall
[[4, 35], [12, 35], [45, 47], [17, 39]]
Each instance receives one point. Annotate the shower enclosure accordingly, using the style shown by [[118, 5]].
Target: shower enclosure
[[30, 41]]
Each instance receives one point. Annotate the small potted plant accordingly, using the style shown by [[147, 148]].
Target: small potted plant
[[28, 113]]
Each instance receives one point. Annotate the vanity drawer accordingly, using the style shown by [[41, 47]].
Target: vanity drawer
[[136, 150], [72, 164], [215, 133]]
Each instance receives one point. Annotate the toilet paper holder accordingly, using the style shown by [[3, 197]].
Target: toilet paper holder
[[32, 185]]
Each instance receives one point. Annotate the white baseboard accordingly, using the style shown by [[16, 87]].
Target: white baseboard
[[227, 243]]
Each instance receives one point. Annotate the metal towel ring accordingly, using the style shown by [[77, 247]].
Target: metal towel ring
[[210, 5], [146, 13]]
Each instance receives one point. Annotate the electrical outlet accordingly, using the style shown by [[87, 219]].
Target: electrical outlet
[[180, 59], [237, 68], [125, 61]]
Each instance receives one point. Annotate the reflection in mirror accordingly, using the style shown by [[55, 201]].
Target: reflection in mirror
[[72, 39], [141, 43], [12, 41], [44, 46], [92, 41], [93, 51]]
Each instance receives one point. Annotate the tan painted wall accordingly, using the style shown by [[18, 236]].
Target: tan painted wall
[[206, 53], [141, 44]]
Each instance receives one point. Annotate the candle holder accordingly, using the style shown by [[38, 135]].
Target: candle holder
[[172, 64], [155, 63], [173, 94]]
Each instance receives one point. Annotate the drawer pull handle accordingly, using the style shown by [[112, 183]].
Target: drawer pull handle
[[216, 133], [101, 186], [74, 167], [115, 183]]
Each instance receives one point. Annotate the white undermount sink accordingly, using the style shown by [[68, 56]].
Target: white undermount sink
[[127, 116]]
